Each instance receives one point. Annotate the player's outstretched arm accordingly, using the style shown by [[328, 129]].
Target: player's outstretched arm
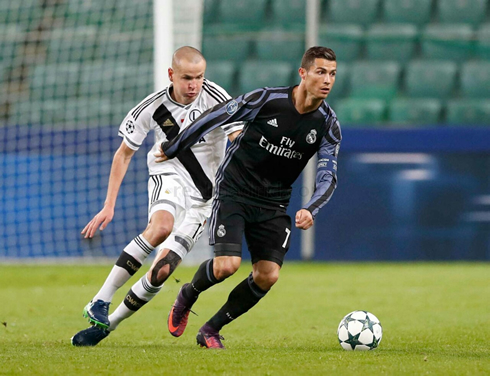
[[161, 157], [303, 219], [242, 109], [119, 167]]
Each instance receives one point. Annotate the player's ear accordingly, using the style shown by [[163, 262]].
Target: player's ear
[[302, 73], [171, 74]]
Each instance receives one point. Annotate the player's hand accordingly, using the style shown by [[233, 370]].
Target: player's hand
[[303, 219], [160, 156], [100, 221]]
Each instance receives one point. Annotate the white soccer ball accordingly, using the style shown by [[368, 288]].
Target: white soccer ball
[[359, 331]]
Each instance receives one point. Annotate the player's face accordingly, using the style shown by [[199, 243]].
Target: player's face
[[187, 79], [319, 79]]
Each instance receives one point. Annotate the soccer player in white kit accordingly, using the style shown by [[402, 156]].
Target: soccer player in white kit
[[179, 192]]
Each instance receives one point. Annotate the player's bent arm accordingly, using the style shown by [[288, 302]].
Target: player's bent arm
[[119, 167], [326, 176]]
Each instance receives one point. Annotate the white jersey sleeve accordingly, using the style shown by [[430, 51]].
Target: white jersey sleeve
[[221, 95], [137, 123]]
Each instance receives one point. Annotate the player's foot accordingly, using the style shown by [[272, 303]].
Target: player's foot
[[97, 313], [89, 337], [209, 337], [179, 314]]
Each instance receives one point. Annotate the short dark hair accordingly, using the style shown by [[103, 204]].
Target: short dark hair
[[317, 52]]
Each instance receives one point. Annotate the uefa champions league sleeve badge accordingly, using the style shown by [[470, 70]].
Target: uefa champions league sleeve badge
[[231, 107]]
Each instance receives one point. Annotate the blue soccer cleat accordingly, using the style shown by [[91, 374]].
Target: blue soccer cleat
[[89, 337], [97, 313]]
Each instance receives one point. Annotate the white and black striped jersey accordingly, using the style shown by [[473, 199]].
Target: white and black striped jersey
[[159, 112], [272, 150]]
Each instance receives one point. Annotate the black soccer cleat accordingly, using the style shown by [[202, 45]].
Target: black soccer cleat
[[89, 337], [179, 314], [209, 337], [97, 313]]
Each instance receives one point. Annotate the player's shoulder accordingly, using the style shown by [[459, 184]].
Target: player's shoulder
[[213, 92], [278, 92], [327, 110], [328, 113], [259, 97], [149, 103], [331, 121]]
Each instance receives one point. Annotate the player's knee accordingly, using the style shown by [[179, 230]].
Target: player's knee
[[223, 267], [158, 232], [265, 280]]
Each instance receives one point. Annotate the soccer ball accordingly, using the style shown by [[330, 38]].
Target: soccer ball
[[360, 331]]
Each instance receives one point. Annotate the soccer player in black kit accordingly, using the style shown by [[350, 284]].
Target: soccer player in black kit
[[285, 127]]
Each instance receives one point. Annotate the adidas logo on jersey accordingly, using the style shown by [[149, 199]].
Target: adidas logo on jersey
[[168, 123], [273, 122]]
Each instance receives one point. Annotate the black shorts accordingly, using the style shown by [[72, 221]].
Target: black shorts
[[267, 231]]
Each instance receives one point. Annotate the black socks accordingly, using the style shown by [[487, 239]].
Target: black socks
[[241, 299], [203, 279]]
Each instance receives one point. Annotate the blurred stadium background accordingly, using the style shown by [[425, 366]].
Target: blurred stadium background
[[412, 95]]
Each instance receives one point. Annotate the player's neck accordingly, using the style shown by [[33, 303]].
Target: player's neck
[[303, 101], [179, 99]]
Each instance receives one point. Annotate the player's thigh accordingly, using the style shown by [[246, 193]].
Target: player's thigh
[[226, 228], [165, 193], [185, 236], [269, 239]]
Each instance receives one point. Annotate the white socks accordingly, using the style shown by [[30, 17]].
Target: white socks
[[131, 259], [140, 294]]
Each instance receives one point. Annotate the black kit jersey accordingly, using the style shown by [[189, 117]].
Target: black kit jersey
[[273, 149]]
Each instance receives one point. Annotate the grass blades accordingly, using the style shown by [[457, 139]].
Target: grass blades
[[435, 321]]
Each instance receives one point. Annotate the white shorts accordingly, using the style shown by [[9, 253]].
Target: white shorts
[[183, 238], [167, 192]]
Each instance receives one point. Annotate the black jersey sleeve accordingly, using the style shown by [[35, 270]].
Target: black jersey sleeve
[[243, 108], [326, 175]]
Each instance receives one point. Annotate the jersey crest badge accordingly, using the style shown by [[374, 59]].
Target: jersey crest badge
[[194, 115], [311, 137], [231, 107], [221, 231], [129, 126]]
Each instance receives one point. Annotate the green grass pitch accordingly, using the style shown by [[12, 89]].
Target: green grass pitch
[[435, 320]]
